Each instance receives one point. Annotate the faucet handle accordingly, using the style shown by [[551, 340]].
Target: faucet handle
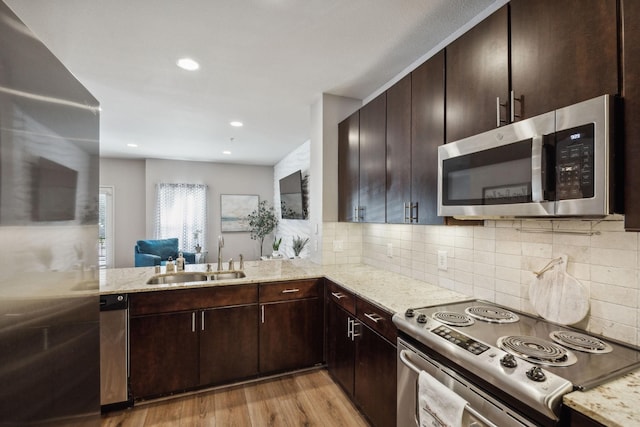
[[241, 262], [230, 264]]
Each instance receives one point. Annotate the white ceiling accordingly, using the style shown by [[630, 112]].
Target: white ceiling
[[263, 62]]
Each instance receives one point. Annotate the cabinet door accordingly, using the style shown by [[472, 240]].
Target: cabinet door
[[164, 353], [398, 142], [375, 378], [348, 167], [477, 72], [340, 347], [290, 335], [562, 52], [427, 133], [631, 93], [373, 160], [228, 344]]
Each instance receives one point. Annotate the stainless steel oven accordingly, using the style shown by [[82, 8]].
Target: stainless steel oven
[[482, 409], [509, 368], [556, 164]]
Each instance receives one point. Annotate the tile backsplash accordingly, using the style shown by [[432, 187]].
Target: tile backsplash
[[495, 262]]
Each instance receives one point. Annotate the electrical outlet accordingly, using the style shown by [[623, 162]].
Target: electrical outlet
[[390, 250], [338, 246], [442, 260]]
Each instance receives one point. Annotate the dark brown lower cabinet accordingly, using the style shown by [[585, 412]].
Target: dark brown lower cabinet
[[164, 353], [341, 349], [290, 335], [360, 359], [375, 377], [228, 344]]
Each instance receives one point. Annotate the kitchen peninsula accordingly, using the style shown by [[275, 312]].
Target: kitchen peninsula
[[392, 292]]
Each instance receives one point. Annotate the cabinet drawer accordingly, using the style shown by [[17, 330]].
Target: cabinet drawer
[[283, 291], [377, 319], [191, 299], [342, 297]]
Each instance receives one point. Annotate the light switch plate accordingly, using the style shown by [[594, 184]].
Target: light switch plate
[[442, 260]]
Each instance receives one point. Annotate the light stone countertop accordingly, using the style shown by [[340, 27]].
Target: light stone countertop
[[389, 290], [612, 404], [616, 403]]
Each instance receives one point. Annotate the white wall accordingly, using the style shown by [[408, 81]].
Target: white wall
[[221, 179], [298, 159], [127, 178], [326, 113]]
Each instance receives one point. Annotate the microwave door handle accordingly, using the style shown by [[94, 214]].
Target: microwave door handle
[[537, 194]]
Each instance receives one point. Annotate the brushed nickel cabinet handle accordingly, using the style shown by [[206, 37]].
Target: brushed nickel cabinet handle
[[354, 324], [338, 295], [262, 313], [290, 291], [202, 319], [373, 316], [193, 321]]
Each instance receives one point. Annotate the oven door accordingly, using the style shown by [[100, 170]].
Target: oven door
[[498, 173], [482, 410]]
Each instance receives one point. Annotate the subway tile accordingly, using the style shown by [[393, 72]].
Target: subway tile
[[575, 253], [614, 258], [508, 247], [507, 235], [615, 240], [464, 254], [482, 269], [484, 293], [508, 274], [488, 245], [537, 249], [507, 300], [614, 312], [614, 294], [484, 233], [511, 261], [507, 287]]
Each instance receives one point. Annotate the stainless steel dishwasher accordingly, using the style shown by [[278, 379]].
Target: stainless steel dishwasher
[[114, 352]]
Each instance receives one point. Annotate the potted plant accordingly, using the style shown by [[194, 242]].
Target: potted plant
[[262, 222], [276, 246], [298, 245]]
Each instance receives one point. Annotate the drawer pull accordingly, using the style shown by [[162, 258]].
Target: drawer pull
[[373, 316], [290, 291], [338, 295]]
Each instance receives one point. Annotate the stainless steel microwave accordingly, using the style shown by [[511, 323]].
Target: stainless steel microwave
[[557, 164]]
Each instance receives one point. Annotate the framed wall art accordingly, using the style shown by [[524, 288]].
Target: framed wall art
[[234, 209]]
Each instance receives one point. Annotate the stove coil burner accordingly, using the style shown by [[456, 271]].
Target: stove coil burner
[[536, 350], [491, 314], [580, 342], [452, 318]]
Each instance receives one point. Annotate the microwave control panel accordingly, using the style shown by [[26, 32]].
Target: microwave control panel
[[574, 163]]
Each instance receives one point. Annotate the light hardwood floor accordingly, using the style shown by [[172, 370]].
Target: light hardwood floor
[[304, 399]]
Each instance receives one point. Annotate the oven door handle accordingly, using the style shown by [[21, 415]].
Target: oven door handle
[[405, 360]]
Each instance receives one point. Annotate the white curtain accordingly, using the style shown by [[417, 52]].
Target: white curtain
[[181, 211]]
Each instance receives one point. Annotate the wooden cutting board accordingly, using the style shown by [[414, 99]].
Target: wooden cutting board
[[559, 297]]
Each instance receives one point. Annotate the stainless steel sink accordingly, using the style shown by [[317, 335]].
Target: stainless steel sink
[[177, 278], [225, 275]]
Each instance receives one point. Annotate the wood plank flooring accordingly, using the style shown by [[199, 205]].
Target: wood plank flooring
[[304, 399]]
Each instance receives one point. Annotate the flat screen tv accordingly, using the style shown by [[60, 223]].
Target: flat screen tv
[[53, 191], [291, 197]]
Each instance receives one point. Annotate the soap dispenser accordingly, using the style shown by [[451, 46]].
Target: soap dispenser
[[170, 266], [180, 262]]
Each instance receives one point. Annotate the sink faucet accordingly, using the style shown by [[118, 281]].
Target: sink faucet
[[231, 264], [241, 267], [220, 246]]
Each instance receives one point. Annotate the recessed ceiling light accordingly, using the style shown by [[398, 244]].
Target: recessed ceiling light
[[188, 64], [132, 145], [227, 152], [236, 124]]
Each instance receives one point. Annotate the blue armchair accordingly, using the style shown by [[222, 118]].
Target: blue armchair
[[156, 252]]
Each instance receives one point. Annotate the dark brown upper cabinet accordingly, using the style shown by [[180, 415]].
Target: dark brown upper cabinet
[[399, 152], [477, 78], [528, 58], [562, 52], [427, 133], [349, 168], [373, 150], [631, 94]]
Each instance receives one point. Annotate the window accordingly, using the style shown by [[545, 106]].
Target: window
[[181, 211]]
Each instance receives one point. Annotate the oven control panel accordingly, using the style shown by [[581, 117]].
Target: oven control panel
[[461, 340]]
